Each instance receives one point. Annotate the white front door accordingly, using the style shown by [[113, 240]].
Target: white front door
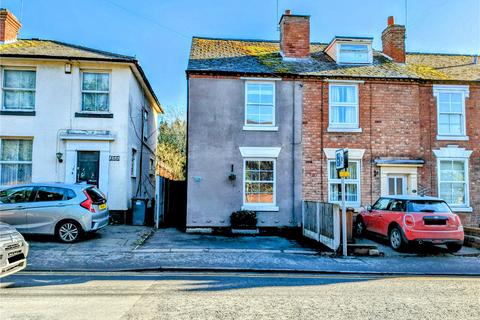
[[397, 185]]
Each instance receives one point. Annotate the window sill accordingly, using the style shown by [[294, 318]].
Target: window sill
[[260, 208], [251, 128], [462, 209], [350, 130], [16, 113], [453, 138], [93, 115]]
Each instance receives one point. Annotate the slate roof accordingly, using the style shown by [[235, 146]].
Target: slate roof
[[263, 57], [57, 49]]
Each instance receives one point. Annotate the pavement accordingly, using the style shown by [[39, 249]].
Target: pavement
[[209, 295], [127, 248]]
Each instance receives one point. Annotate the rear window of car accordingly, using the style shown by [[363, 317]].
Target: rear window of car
[[96, 195], [427, 206]]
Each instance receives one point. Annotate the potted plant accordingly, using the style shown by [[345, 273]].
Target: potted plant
[[244, 222]]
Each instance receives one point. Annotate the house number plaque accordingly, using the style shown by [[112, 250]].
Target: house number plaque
[[114, 158]]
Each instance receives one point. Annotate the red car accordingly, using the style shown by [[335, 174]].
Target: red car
[[412, 219]]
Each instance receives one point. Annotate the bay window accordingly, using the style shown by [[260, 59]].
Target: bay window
[[18, 90], [452, 181], [15, 161], [352, 184], [259, 182], [95, 92]]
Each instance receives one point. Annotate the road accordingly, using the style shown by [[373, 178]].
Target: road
[[236, 296]]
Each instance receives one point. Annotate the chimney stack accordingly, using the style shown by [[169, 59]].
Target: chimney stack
[[393, 41], [294, 36], [9, 27]]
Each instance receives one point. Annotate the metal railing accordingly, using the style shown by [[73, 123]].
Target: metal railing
[[321, 222]]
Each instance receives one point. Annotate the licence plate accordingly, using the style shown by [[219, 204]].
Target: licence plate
[[103, 206]]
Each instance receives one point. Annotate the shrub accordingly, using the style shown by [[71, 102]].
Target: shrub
[[243, 219]]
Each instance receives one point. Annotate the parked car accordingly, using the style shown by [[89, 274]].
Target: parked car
[[13, 250], [64, 210], [412, 219]]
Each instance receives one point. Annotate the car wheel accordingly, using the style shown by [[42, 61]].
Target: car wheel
[[360, 228], [69, 231], [454, 247], [396, 239]]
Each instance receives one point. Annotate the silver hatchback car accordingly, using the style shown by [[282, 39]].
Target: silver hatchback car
[[64, 210]]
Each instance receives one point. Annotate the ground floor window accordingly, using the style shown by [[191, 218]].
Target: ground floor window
[[352, 184], [453, 182], [15, 161], [259, 180]]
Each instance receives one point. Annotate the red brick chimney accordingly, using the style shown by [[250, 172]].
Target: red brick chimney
[[9, 26], [393, 41], [294, 36]]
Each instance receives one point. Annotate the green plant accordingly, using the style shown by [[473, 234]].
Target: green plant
[[243, 219]]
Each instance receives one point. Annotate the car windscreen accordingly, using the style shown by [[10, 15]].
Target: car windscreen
[[427, 206], [96, 195]]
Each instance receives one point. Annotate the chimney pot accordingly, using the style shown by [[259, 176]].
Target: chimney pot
[[9, 26], [391, 20], [288, 12]]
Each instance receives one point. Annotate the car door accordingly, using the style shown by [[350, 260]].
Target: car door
[[13, 206], [377, 213], [394, 212], [47, 209]]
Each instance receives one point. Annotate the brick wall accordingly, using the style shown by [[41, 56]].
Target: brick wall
[[398, 120]]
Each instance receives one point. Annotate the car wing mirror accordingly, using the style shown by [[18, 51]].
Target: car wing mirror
[[369, 208]]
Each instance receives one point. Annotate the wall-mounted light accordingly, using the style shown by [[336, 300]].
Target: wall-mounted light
[[68, 68], [59, 157], [232, 176]]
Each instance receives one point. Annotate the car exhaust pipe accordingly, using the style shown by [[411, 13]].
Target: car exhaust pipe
[[420, 241]]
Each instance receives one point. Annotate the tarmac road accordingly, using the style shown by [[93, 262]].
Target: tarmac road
[[236, 296]]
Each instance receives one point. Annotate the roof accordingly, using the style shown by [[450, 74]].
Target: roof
[[51, 49], [213, 55]]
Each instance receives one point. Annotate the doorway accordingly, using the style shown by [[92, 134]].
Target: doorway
[[88, 167]]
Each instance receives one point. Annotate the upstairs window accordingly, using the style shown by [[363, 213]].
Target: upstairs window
[[95, 92], [451, 114], [19, 90], [260, 104], [354, 53], [343, 104]]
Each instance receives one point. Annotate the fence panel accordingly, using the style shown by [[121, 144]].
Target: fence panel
[[321, 222]]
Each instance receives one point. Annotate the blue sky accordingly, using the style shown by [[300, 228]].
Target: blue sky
[[159, 32]]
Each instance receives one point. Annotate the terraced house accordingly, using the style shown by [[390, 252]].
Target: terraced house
[[73, 114], [272, 113]]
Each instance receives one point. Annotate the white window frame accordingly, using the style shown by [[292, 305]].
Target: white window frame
[[396, 177], [465, 92], [82, 72], [16, 162], [357, 181], [2, 107], [260, 127], [339, 127], [260, 206], [145, 117], [465, 205], [369, 53], [133, 163]]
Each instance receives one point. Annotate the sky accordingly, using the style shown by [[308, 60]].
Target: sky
[[159, 32]]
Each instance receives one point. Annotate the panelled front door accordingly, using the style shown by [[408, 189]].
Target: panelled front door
[[88, 164], [397, 185]]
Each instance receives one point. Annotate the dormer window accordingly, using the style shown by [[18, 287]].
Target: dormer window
[[353, 53], [350, 50]]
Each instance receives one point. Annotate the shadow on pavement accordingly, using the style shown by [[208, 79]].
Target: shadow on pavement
[[192, 283]]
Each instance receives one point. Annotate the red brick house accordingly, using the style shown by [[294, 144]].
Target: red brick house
[[411, 121]]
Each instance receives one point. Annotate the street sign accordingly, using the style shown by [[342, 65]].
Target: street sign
[[341, 159]]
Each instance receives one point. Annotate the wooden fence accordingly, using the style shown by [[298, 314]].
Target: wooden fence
[[321, 222]]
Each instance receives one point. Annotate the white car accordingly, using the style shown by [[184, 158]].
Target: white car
[[13, 250]]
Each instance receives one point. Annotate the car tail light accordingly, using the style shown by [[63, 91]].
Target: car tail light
[[458, 222], [88, 204], [409, 221]]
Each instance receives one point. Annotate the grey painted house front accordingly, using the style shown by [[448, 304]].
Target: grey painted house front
[[243, 126]]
